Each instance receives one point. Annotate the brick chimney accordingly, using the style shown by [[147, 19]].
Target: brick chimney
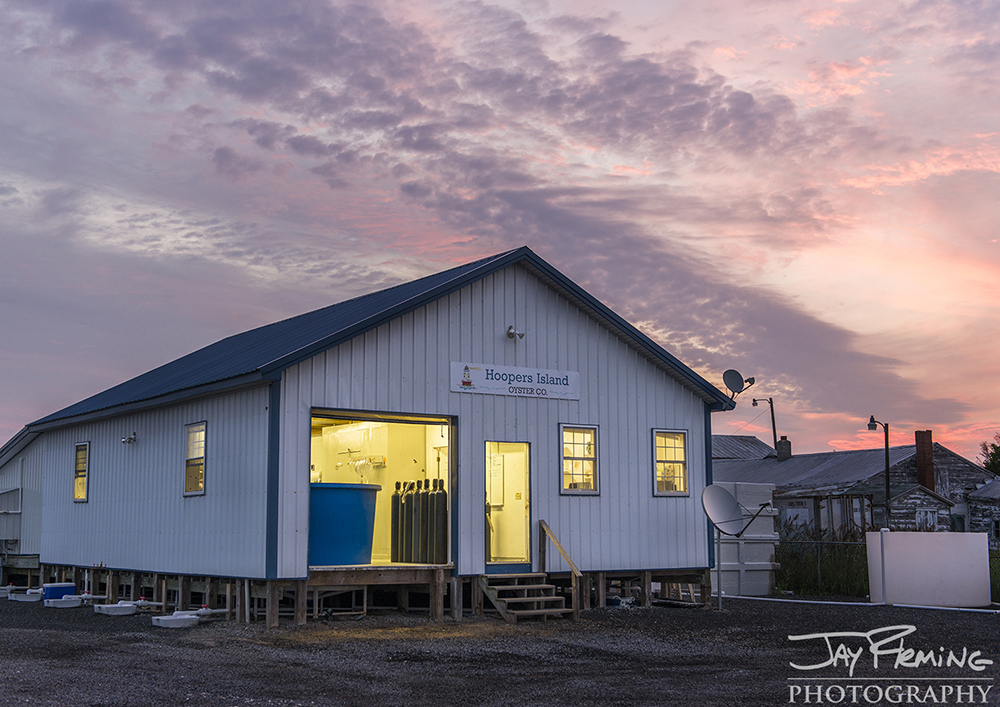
[[783, 449], [925, 459]]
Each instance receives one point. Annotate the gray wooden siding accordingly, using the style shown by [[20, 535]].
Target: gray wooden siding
[[403, 366], [23, 472], [136, 516]]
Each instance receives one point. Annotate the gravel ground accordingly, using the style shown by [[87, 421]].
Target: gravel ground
[[621, 656]]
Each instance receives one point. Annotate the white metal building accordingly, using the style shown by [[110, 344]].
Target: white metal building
[[517, 394]]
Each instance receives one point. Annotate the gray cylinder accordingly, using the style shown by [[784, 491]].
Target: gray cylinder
[[431, 522], [425, 526], [419, 524], [406, 511], [439, 499], [394, 524]]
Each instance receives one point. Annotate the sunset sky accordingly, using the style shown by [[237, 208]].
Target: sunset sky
[[808, 192]]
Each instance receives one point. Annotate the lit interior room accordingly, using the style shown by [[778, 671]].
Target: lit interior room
[[395, 474]]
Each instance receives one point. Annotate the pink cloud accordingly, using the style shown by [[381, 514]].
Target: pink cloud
[[729, 52], [981, 156], [825, 17], [834, 79]]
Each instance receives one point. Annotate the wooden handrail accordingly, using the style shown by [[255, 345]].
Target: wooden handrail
[[555, 541], [575, 573]]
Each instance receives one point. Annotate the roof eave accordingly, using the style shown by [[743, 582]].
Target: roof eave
[[16, 444], [244, 381]]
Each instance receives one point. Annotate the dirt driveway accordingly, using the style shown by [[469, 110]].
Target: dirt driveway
[[623, 656]]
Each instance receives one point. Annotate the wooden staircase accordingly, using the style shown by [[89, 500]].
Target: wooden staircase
[[518, 596]]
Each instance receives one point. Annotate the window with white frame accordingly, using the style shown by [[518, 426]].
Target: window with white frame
[[194, 467], [81, 467], [578, 459], [670, 469]]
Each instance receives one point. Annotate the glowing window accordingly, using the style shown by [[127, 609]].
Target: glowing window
[[80, 469], [194, 468], [670, 467], [579, 459]]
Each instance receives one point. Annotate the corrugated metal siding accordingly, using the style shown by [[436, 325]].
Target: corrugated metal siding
[[24, 471], [137, 517], [403, 366]]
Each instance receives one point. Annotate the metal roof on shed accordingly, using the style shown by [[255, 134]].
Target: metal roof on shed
[[826, 470], [739, 447], [990, 490], [264, 352]]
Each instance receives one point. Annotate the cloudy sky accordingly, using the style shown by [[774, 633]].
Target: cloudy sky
[[806, 191]]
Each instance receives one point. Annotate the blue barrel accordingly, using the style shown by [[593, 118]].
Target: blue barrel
[[341, 523]]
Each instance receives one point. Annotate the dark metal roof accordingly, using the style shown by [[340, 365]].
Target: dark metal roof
[[739, 447], [262, 353], [832, 472], [990, 490]]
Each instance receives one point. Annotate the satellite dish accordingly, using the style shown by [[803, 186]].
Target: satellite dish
[[722, 509], [735, 382], [725, 512]]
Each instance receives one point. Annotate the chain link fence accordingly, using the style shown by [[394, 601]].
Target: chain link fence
[[814, 563], [822, 568]]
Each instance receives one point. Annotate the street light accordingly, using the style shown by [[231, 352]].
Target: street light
[[774, 428], [872, 427]]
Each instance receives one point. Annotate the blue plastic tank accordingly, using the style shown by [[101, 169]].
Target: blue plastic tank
[[341, 523]]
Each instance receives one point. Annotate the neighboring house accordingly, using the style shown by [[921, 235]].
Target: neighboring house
[[500, 386], [984, 512], [929, 485]]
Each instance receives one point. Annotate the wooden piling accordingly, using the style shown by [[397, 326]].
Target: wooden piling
[[301, 603], [271, 604], [111, 581], [437, 596], [455, 589]]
